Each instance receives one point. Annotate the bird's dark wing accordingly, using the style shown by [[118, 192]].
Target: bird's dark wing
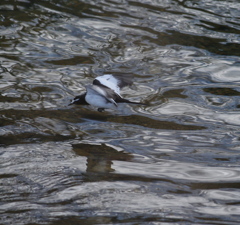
[[106, 92], [124, 79]]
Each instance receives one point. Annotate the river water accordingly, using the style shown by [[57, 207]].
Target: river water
[[172, 161]]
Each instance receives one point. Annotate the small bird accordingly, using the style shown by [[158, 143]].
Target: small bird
[[104, 93]]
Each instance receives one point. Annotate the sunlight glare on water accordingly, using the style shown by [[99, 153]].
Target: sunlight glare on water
[[174, 160]]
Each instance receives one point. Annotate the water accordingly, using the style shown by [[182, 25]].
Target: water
[[175, 161]]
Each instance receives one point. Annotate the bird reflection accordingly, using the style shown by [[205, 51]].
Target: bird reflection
[[100, 164], [100, 157]]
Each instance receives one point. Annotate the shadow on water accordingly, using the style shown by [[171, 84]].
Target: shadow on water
[[49, 124]]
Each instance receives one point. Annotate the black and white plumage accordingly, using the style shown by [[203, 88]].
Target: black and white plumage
[[104, 93]]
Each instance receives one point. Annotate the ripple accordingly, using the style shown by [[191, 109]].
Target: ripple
[[227, 196], [176, 170], [173, 107], [220, 210], [175, 160], [222, 73]]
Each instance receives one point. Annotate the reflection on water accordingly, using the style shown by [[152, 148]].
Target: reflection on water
[[175, 160]]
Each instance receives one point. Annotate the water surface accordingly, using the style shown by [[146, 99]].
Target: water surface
[[174, 161]]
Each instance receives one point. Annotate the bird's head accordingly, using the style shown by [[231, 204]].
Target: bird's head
[[79, 100]]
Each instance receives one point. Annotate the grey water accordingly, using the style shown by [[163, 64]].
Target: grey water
[[172, 161]]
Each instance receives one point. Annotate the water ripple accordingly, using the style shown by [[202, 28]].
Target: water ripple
[[173, 160], [177, 170]]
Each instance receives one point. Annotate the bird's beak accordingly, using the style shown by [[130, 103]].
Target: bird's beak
[[71, 102]]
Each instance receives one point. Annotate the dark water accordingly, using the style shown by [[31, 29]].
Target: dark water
[[175, 161]]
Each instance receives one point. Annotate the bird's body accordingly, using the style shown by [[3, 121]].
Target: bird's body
[[104, 93]]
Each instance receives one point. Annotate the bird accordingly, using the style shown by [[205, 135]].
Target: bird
[[104, 92]]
